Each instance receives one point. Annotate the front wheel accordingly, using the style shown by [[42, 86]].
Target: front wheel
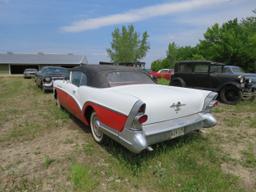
[[230, 95], [97, 134]]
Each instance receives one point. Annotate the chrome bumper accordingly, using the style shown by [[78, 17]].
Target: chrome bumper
[[137, 141]]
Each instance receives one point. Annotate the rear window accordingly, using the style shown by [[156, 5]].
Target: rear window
[[127, 78]]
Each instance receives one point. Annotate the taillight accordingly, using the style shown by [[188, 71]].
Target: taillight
[[142, 119], [139, 118]]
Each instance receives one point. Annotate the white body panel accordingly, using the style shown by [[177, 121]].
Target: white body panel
[[103, 96], [158, 99]]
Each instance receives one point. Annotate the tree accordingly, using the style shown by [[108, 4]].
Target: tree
[[232, 43], [172, 54], [156, 65], [127, 46]]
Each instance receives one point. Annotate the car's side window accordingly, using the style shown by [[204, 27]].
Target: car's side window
[[75, 78], [201, 68], [83, 80], [215, 69], [185, 68]]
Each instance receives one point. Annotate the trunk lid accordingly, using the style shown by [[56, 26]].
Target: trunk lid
[[165, 102]]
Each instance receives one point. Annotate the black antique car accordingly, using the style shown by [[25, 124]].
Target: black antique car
[[210, 75], [45, 77]]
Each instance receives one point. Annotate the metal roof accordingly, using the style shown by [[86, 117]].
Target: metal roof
[[200, 61], [42, 58]]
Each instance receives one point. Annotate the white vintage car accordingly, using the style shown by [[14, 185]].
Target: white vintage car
[[126, 105]]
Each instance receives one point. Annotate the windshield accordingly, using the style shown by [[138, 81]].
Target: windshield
[[127, 78], [237, 70], [55, 71]]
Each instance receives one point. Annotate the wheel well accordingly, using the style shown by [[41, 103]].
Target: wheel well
[[228, 85], [87, 113], [180, 80]]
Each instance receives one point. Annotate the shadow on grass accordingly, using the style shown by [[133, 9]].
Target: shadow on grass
[[135, 162]]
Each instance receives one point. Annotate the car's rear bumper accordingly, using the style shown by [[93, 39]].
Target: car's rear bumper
[[137, 141]]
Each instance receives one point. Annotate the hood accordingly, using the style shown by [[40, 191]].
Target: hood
[[161, 101]]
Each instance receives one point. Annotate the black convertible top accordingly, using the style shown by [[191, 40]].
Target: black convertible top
[[97, 74]]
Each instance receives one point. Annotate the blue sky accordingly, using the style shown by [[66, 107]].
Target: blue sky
[[85, 26]]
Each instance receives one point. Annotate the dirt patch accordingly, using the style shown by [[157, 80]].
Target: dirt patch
[[247, 176]]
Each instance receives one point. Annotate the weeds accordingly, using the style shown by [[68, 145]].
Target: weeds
[[81, 178]]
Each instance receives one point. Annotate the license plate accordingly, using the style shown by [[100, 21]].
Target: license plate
[[176, 133]]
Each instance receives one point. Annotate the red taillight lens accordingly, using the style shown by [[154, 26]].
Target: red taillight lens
[[143, 119]]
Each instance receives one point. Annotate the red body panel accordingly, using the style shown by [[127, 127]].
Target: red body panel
[[157, 75], [107, 116]]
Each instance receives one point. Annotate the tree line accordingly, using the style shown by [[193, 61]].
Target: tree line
[[232, 43]]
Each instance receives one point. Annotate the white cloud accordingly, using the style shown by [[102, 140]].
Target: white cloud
[[139, 14]]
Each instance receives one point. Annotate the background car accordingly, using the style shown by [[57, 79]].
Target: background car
[[162, 73], [209, 75], [230, 69], [45, 77], [29, 72], [124, 104]]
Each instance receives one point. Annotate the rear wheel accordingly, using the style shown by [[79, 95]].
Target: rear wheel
[[230, 95], [97, 134]]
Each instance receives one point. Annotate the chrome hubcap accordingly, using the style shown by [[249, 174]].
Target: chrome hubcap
[[96, 127]]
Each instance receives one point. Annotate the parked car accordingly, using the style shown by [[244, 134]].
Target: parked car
[[126, 105], [162, 73], [29, 72], [209, 75], [45, 77], [230, 69]]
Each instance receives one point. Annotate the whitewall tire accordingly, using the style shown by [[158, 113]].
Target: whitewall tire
[[97, 134]]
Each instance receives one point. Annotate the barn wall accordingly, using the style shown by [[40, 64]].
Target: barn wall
[[4, 69]]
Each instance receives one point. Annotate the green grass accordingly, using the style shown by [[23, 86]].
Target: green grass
[[185, 164], [29, 111], [82, 178], [250, 157], [163, 81]]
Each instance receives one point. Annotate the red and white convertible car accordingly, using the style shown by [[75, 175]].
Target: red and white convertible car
[[126, 105]]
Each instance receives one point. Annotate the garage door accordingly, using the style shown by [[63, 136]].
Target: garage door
[[19, 69]]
